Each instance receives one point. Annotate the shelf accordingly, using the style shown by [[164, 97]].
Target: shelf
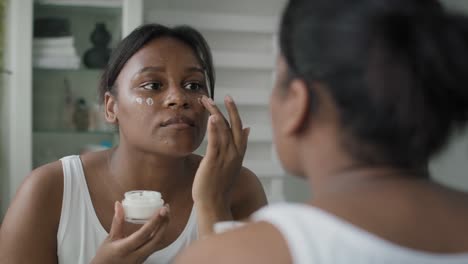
[[82, 22], [82, 3], [215, 22], [243, 60], [264, 169], [243, 96]]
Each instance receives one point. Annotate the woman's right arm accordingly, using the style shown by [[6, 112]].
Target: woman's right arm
[[29, 230]]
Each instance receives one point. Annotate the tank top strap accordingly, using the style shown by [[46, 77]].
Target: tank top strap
[[72, 171]]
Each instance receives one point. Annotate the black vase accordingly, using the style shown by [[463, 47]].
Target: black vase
[[98, 56]]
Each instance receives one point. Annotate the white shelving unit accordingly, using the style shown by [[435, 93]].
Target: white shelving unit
[[247, 60], [227, 22], [242, 47], [82, 3], [243, 96], [18, 143]]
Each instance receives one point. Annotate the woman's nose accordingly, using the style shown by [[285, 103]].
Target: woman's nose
[[176, 98]]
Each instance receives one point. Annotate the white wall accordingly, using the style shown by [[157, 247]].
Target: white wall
[[456, 5], [16, 125], [4, 119], [451, 166]]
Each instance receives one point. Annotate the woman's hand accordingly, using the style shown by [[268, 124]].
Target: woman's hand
[[221, 165], [137, 247]]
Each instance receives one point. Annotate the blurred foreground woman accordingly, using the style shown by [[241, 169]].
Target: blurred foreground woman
[[367, 92]]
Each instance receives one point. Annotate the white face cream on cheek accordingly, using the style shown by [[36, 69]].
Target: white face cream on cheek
[[140, 206], [149, 101], [138, 100]]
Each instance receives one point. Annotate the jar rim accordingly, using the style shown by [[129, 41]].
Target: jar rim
[[138, 195]]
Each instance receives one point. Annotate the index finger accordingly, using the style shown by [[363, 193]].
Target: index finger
[[210, 105], [145, 233], [236, 122]]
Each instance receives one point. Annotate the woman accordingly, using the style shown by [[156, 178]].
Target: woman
[[155, 90], [367, 92]]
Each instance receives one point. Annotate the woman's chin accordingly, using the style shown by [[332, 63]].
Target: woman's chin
[[179, 150]]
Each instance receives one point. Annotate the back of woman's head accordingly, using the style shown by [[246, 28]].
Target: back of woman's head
[[397, 71], [144, 34]]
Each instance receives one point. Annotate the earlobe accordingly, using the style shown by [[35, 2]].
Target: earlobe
[[296, 107], [111, 108]]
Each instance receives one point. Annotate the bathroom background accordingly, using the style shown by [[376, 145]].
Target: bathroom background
[[54, 51]]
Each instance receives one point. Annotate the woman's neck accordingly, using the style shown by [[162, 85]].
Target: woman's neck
[[136, 170], [330, 169]]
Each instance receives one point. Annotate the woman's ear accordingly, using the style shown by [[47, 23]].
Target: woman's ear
[[111, 108], [296, 107]]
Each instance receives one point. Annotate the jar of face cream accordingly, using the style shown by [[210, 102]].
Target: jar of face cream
[[139, 206]]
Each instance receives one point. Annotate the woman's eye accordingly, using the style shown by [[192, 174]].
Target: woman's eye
[[151, 86], [193, 86]]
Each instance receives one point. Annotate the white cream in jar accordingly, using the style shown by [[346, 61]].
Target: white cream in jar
[[139, 206]]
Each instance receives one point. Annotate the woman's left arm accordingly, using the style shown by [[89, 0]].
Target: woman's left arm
[[248, 195]]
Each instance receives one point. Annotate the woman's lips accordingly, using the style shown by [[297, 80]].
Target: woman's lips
[[180, 122]]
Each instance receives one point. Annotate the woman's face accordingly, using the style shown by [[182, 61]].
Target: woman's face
[[157, 105]]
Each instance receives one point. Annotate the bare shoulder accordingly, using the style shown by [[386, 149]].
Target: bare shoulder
[[248, 195], [43, 186], [31, 222], [237, 246]]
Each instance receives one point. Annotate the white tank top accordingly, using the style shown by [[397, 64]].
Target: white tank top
[[315, 236], [80, 233]]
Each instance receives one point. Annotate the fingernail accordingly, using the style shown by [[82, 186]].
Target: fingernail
[[213, 119], [164, 210], [210, 101], [116, 208], [229, 99], [247, 131], [199, 100]]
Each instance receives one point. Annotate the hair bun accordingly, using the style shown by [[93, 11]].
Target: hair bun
[[451, 66], [436, 45]]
